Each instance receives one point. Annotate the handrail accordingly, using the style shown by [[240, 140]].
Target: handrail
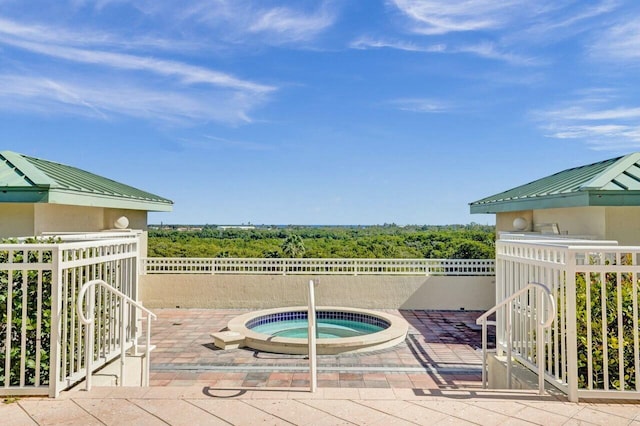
[[90, 323], [542, 324]]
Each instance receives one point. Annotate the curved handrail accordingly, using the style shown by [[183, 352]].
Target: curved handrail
[[111, 289], [542, 324], [532, 284], [89, 322]]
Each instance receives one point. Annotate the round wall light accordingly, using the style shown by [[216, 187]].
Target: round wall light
[[520, 224], [121, 223]]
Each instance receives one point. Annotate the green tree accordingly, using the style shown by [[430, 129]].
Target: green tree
[[469, 249], [293, 246]]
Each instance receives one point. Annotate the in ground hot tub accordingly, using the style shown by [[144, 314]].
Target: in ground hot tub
[[340, 330]]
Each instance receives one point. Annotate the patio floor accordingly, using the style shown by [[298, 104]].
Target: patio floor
[[441, 351], [432, 378]]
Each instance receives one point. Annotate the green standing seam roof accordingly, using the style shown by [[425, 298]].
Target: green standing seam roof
[[613, 182], [25, 179]]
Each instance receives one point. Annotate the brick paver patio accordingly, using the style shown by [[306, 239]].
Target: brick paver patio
[[441, 351]]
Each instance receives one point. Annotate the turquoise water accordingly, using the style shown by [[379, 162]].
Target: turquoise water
[[327, 328]]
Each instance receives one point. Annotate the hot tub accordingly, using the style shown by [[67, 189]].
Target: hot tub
[[340, 330]]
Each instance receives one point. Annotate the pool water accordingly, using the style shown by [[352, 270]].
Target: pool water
[[328, 328]]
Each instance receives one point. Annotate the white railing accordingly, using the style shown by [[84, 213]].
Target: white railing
[[593, 349], [306, 266], [41, 338], [119, 319], [522, 303]]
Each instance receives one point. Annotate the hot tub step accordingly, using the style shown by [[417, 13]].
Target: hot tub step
[[228, 339]]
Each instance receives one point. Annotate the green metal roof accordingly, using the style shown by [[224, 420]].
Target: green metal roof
[[25, 179], [614, 182]]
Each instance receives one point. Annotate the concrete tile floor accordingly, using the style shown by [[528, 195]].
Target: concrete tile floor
[[204, 405], [431, 379]]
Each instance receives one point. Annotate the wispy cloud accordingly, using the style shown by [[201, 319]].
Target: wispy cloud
[[434, 17], [112, 99], [364, 43], [600, 121], [187, 89], [94, 38], [421, 105], [241, 20], [35, 41], [484, 50], [619, 42], [292, 24]]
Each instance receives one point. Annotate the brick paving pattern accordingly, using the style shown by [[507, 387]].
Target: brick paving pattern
[[441, 351]]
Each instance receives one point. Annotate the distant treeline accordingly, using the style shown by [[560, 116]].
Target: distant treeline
[[384, 241]]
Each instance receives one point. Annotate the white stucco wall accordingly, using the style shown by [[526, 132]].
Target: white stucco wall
[[67, 218], [271, 291], [504, 221], [621, 224], [16, 220], [28, 219], [575, 220]]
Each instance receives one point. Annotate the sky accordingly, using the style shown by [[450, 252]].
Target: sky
[[320, 112]]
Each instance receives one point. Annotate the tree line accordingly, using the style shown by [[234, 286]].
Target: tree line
[[382, 241]]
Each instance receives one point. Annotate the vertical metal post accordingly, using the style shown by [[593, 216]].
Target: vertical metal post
[[572, 334], [124, 306], [540, 319], [311, 320], [509, 336], [88, 337], [484, 353], [55, 345]]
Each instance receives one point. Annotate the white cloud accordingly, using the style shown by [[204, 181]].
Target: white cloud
[[619, 42], [242, 20], [292, 24], [364, 43], [111, 99], [183, 91], [489, 50], [542, 17], [63, 36], [599, 121], [432, 17], [484, 50], [421, 105], [33, 40]]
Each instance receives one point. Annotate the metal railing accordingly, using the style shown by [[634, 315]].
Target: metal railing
[[41, 337], [516, 303], [126, 338], [593, 348], [305, 266]]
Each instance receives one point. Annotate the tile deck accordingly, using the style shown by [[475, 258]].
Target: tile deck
[[431, 379], [441, 349]]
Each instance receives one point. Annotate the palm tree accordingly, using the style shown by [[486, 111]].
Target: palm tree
[[293, 246]]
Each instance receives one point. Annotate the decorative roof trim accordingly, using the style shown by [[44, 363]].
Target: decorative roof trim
[[600, 181], [28, 170], [34, 180]]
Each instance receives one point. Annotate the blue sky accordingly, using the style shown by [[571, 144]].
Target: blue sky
[[320, 112]]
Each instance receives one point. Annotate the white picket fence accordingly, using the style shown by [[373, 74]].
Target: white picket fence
[[41, 338], [304, 266], [593, 348]]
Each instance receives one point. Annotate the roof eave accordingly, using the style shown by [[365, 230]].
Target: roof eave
[[29, 194], [602, 198], [99, 200], [534, 203]]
